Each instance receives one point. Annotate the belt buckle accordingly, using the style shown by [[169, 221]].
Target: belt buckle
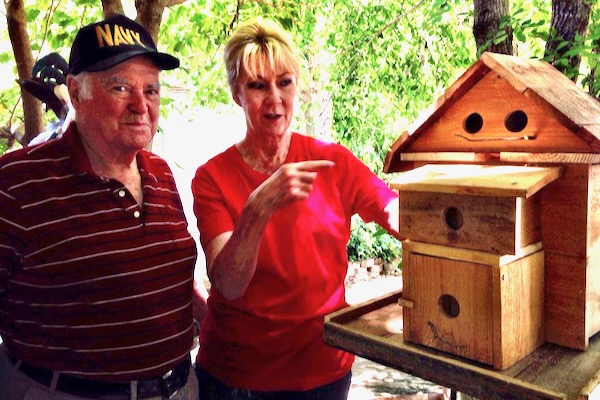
[[170, 383]]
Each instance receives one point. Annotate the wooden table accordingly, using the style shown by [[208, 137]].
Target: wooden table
[[373, 330]]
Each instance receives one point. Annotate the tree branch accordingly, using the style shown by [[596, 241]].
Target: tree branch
[[487, 26], [236, 16], [112, 7], [171, 3], [149, 14], [19, 38], [570, 18]]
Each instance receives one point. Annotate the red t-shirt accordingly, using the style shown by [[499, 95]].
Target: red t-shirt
[[271, 338]]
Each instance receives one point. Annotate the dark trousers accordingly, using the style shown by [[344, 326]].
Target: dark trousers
[[211, 388]]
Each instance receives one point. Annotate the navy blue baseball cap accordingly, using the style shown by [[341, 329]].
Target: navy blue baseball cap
[[104, 44]]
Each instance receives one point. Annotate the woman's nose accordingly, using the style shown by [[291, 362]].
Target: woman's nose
[[274, 94]]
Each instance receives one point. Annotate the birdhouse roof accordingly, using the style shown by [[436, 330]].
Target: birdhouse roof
[[504, 109]]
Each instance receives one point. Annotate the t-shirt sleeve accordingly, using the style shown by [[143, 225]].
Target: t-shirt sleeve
[[367, 193]]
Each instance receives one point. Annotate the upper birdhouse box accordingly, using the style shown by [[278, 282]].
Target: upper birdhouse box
[[506, 110]]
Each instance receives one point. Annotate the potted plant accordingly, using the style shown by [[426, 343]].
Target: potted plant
[[388, 249]]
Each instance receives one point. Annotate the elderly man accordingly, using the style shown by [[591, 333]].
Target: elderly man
[[96, 263]]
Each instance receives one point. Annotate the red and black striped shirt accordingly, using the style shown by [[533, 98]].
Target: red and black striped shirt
[[92, 284]]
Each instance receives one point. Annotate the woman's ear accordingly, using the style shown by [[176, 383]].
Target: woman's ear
[[236, 98]]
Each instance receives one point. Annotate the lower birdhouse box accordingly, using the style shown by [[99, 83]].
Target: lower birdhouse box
[[482, 306]]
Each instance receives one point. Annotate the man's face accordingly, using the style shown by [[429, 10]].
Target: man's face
[[118, 111]]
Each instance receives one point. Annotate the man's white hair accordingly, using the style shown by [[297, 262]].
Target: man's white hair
[[85, 85]]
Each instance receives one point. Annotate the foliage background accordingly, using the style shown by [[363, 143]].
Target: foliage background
[[371, 65]]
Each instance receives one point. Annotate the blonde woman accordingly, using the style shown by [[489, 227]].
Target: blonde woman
[[274, 218]]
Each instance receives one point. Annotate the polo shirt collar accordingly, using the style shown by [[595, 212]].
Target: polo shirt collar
[[80, 161]]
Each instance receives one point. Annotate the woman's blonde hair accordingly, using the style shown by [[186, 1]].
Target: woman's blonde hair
[[259, 45]]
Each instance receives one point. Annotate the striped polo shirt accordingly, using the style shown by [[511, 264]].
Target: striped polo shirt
[[92, 284]]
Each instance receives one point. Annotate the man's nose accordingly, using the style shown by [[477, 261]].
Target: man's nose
[[137, 101]]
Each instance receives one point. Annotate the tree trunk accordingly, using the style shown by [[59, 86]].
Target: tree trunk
[[488, 25], [569, 18], [112, 7], [149, 14], [19, 38], [594, 76]]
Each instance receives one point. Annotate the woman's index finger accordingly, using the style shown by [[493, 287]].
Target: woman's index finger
[[315, 165]]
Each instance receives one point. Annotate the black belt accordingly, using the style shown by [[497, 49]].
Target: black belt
[[166, 386]]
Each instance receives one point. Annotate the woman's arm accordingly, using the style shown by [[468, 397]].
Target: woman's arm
[[231, 257]]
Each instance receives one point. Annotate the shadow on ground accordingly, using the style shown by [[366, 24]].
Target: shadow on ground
[[371, 381]]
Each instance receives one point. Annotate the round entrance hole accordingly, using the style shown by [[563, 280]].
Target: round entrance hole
[[516, 121], [453, 218], [473, 123], [449, 305]]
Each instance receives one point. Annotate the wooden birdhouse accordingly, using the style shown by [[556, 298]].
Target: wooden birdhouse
[[499, 207]]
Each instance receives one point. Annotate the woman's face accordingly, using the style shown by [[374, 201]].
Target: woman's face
[[267, 101]]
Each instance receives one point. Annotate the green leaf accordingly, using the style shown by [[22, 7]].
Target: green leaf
[[32, 14]]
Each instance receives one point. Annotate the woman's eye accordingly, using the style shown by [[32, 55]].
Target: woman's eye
[[255, 85], [286, 82]]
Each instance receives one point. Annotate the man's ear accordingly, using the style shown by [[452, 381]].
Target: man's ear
[[73, 86]]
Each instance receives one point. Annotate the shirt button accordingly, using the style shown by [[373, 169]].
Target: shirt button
[[121, 193], [136, 214]]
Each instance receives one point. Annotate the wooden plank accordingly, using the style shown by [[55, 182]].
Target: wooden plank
[[520, 314], [528, 227], [591, 391], [593, 205], [352, 313], [477, 180], [564, 212], [592, 298], [565, 294], [570, 233], [550, 372], [457, 253], [392, 158], [503, 156], [544, 158], [448, 157], [466, 81], [562, 369]]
